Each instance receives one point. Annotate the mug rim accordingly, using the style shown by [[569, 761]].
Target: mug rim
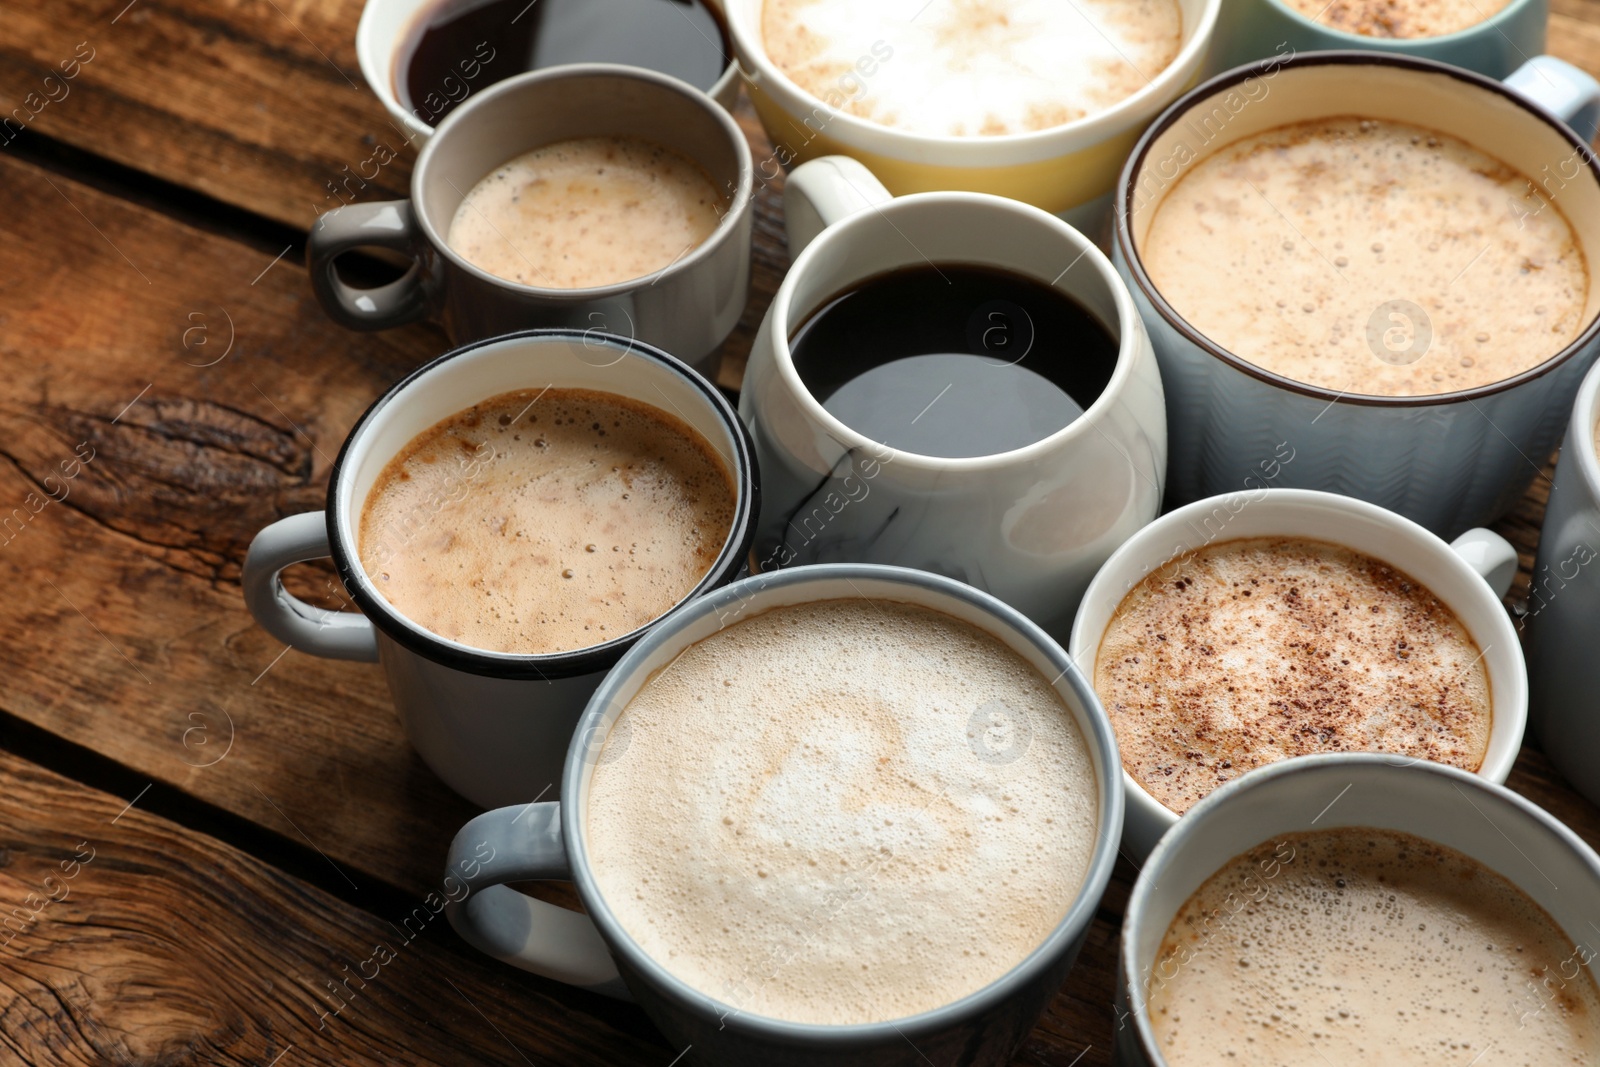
[[1362, 41], [344, 548], [1127, 185], [1129, 326], [1015, 629], [739, 200], [1160, 857]]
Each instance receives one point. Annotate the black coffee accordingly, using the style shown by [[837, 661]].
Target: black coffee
[[954, 361], [459, 47]]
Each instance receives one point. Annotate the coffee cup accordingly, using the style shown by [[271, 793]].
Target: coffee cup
[[1543, 861], [687, 307], [1068, 169], [563, 840], [494, 725], [1030, 525], [1468, 577], [388, 32], [1447, 456]]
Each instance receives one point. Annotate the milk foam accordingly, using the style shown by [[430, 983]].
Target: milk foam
[[1302, 250], [971, 67], [1399, 18], [1257, 650], [843, 812], [1358, 946]]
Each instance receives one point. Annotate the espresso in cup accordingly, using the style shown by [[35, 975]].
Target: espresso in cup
[[544, 521], [1370, 257], [1398, 18], [1255, 650], [1361, 945], [842, 812]]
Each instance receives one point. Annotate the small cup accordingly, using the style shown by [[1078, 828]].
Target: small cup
[[687, 308], [1449, 461], [1031, 525], [1488, 823], [1469, 576], [493, 725], [548, 841], [388, 26]]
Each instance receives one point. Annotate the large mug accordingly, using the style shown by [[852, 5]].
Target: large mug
[[493, 725], [1449, 461], [592, 950], [687, 307], [1031, 525]]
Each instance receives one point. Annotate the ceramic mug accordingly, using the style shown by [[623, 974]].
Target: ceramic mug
[[1564, 604], [1068, 169], [688, 307], [1488, 823], [493, 725], [1031, 525], [1448, 461], [547, 841], [1469, 576], [384, 39]]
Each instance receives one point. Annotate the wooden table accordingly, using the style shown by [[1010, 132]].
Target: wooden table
[[246, 823]]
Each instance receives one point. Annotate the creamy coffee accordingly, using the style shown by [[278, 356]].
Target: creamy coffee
[[1398, 18], [1251, 651], [587, 212], [970, 68], [1369, 257], [545, 521], [842, 812], [1358, 946]]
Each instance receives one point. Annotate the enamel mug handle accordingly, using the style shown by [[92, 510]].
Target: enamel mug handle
[[523, 843], [387, 224], [1560, 87], [330, 634], [819, 193], [1490, 555]]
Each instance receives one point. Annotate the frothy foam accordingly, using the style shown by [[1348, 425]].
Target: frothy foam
[[1257, 650], [971, 67], [546, 520], [1370, 257], [843, 812], [1399, 18], [1369, 946]]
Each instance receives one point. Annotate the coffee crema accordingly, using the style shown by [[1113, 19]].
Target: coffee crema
[[1251, 651], [587, 212], [1398, 18], [841, 812], [970, 68], [544, 521], [1369, 257], [1360, 945]]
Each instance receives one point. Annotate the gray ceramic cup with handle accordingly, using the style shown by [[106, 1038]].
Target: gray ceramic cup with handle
[[548, 841], [686, 308]]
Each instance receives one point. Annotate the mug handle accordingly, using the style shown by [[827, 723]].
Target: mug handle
[[385, 224], [330, 634], [1490, 555], [1562, 88], [819, 193], [525, 844]]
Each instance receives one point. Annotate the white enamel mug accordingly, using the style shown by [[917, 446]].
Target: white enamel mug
[[1031, 525], [1469, 577]]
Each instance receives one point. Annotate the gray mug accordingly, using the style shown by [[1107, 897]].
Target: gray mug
[[686, 308]]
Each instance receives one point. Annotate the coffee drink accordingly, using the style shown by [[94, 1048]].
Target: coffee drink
[[1358, 945], [1398, 18], [544, 521], [1255, 650], [842, 812], [1369, 257], [954, 360], [970, 68], [586, 212]]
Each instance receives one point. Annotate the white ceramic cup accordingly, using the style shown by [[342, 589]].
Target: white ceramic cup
[[1469, 576], [1031, 525], [388, 26], [1488, 823]]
